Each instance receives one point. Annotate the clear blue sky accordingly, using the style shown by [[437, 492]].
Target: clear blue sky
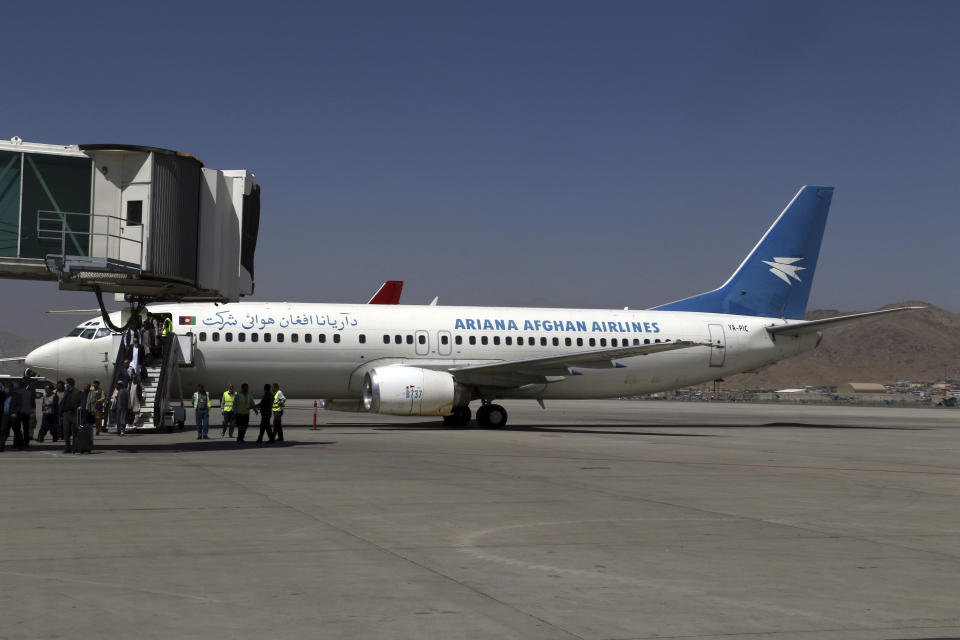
[[597, 154]]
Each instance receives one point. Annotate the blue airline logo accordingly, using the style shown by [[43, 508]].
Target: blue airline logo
[[578, 326]]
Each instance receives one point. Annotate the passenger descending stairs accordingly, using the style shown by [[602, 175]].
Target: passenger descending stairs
[[144, 420]]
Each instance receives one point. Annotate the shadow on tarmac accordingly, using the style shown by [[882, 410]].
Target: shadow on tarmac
[[129, 444]]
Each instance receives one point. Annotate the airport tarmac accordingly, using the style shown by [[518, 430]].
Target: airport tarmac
[[609, 520]]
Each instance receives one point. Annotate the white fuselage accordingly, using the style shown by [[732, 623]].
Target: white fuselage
[[323, 350]]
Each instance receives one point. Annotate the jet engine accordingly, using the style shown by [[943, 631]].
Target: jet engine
[[411, 391]]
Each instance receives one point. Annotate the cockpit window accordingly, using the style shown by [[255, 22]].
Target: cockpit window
[[102, 332], [88, 334], [75, 332]]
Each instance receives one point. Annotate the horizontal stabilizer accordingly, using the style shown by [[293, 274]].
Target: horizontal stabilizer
[[799, 328]]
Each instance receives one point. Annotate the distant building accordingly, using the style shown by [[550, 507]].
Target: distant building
[[866, 387]]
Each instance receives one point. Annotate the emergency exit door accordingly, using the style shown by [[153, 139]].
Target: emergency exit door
[[718, 343]]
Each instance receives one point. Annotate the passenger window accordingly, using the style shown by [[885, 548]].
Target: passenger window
[[216, 336], [508, 340], [593, 342], [409, 339], [88, 334], [636, 341], [363, 338], [294, 337], [386, 339], [444, 339], [657, 340], [483, 340], [473, 339], [556, 342], [496, 339], [579, 342], [458, 339], [321, 338], [603, 342], [543, 342], [567, 342], [241, 337], [254, 337], [280, 337], [422, 339], [266, 337], [336, 338], [520, 341], [613, 342], [228, 337], [398, 339], [308, 338], [646, 341]]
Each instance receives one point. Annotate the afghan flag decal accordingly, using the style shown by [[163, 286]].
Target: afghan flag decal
[[188, 320]]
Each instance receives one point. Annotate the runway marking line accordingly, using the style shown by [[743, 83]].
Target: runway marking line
[[684, 462]]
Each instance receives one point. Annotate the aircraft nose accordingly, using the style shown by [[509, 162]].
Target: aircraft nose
[[45, 360]]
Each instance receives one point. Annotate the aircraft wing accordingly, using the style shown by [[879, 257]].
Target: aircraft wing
[[512, 373], [809, 326], [388, 293], [20, 359]]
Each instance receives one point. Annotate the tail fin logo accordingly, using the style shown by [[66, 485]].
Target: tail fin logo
[[784, 268]]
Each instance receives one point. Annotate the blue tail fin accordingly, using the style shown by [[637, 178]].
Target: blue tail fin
[[775, 279]]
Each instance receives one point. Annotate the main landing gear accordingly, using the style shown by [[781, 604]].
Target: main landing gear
[[492, 416], [459, 418]]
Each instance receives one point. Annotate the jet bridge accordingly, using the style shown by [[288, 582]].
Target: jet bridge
[[146, 223]]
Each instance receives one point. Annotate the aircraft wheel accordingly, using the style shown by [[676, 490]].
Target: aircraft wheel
[[482, 414], [496, 416], [459, 418]]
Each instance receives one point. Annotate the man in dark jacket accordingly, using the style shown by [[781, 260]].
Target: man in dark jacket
[[6, 405], [72, 402], [26, 409]]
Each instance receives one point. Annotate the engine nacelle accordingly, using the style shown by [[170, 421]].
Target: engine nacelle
[[411, 391]]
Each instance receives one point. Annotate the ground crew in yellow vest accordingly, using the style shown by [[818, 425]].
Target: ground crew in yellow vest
[[201, 409], [167, 327], [226, 403], [241, 410], [279, 400]]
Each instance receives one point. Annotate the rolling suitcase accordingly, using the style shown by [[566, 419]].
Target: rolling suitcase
[[83, 438]]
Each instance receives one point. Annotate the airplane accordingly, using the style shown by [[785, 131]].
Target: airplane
[[430, 360]]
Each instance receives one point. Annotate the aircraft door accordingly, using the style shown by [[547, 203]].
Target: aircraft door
[[718, 351], [443, 343], [422, 339]]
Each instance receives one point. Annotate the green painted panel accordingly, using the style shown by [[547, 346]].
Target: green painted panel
[[9, 202], [55, 183]]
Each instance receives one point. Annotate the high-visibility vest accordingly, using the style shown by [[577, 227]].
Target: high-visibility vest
[[167, 328], [197, 397], [227, 401], [243, 402], [277, 402]]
